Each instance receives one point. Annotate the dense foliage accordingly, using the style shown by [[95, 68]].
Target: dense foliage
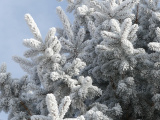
[[103, 66]]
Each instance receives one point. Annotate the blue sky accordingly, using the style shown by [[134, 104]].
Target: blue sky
[[13, 28]]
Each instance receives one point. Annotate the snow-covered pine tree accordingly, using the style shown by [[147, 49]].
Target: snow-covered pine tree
[[103, 66]]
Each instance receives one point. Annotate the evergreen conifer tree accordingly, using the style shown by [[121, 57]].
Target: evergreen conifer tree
[[103, 66]]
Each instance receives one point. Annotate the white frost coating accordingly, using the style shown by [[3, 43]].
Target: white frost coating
[[105, 49], [117, 109], [32, 43], [98, 6], [3, 68], [51, 33], [154, 46], [31, 53], [115, 25], [127, 46], [125, 28], [86, 86], [156, 15], [156, 98], [52, 106], [125, 5], [83, 10], [64, 106], [124, 66], [91, 28], [122, 87], [55, 112], [54, 76], [133, 30], [49, 52], [109, 35], [75, 67], [22, 61], [56, 58], [158, 33], [33, 27], [65, 22]]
